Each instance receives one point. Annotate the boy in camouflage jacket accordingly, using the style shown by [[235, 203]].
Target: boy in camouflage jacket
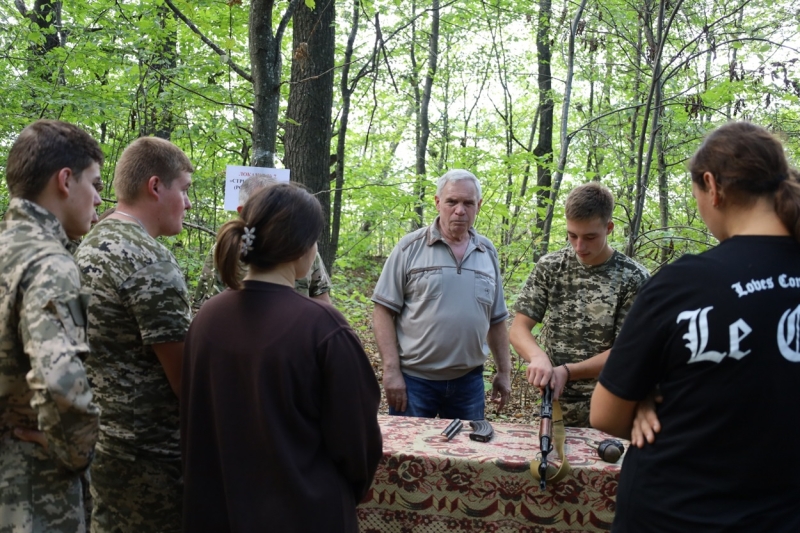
[[581, 295]]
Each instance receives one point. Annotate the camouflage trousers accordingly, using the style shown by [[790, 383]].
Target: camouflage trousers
[[35, 495], [136, 496], [576, 413]]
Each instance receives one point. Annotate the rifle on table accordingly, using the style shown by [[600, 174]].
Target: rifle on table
[[545, 434], [551, 435]]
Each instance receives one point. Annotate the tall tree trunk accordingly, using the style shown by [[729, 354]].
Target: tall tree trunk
[[507, 116], [544, 145], [595, 157], [732, 68], [46, 14], [441, 154], [663, 191], [347, 93], [308, 128], [653, 106], [633, 135], [565, 138], [265, 58], [423, 120], [706, 113], [155, 113], [591, 152], [526, 174]]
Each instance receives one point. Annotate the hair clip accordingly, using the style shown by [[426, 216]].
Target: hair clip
[[248, 237]]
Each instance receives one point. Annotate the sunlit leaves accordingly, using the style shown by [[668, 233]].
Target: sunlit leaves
[[722, 61]]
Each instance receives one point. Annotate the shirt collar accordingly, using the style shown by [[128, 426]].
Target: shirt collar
[[590, 267], [435, 235], [25, 210]]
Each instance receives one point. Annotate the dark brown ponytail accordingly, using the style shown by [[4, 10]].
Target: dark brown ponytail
[[228, 252], [748, 162], [282, 221], [787, 203]]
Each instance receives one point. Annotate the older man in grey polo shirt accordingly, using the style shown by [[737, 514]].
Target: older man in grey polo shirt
[[438, 304]]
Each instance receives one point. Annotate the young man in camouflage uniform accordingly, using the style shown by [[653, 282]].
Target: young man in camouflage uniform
[[138, 318], [582, 293], [317, 284], [48, 421]]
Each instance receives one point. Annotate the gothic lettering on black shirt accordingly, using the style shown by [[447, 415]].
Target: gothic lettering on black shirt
[[697, 335], [789, 335], [743, 288]]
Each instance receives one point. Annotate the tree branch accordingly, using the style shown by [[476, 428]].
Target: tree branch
[[200, 228], [228, 61], [192, 91], [21, 7], [287, 16]]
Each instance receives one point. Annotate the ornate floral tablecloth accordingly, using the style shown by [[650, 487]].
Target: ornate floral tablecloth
[[425, 484]]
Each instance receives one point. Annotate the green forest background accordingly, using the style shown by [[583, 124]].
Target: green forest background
[[368, 102]]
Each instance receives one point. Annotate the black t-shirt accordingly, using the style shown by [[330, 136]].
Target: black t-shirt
[[719, 334]]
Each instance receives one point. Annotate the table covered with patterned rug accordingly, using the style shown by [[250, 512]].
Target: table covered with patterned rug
[[425, 484]]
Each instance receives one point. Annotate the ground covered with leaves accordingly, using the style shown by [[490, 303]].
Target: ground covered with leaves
[[352, 288]]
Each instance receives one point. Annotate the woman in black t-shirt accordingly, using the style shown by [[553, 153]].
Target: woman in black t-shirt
[[718, 336]]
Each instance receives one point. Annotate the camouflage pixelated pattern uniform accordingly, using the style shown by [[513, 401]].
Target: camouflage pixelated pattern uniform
[[43, 383], [139, 298], [210, 284], [581, 309]]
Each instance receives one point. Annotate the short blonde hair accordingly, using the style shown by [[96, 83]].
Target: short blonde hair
[[146, 157]]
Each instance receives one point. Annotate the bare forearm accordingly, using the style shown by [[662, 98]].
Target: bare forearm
[[386, 337], [394, 384], [540, 370], [590, 368], [497, 338], [611, 413], [522, 339]]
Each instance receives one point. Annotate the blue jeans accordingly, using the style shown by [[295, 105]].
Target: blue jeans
[[462, 397]]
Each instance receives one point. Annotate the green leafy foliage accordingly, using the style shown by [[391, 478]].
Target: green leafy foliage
[[124, 69]]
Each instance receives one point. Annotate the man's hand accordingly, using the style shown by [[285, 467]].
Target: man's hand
[[394, 385], [540, 371], [395, 388], [645, 423], [497, 338], [501, 390], [31, 435]]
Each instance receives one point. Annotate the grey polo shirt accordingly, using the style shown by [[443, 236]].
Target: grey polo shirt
[[444, 309]]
